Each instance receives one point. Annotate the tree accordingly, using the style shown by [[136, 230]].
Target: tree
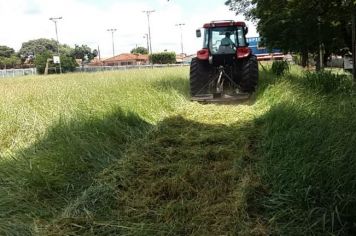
[[6, 51], [65, 49], [84, 53], [302, 26], [31, 48], [41, 60], [9, 62], [139, 50], [68, 63], [245, 7], [8, 58]]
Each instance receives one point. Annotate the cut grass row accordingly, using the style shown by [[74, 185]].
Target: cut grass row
[[127, 153]]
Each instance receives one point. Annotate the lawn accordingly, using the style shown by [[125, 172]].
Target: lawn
[[127, 153]]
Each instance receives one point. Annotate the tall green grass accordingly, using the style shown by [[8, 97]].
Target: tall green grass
[[127, 153], [308, 155], [58, 132]]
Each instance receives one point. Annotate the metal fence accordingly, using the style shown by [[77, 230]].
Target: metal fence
[[129, 67], [33, 71], [17, 72]]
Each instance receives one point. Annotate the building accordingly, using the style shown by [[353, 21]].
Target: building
[[96, 62], [126, 59]]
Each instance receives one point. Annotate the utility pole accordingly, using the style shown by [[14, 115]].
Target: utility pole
[[55, 20], [180, 25], [112, 38], [148, 13], [148, 46]]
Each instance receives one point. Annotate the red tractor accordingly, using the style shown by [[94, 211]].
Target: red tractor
[[225, 68]]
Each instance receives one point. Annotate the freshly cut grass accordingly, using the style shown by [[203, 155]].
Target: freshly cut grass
[[127, 153], [185, 178]]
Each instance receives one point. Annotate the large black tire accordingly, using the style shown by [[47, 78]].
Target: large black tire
[[248, 74], [200, 74]]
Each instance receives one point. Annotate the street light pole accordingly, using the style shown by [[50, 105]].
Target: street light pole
[[112, 38], [148, 46], [180, 25], [149, 28], [55, 20]]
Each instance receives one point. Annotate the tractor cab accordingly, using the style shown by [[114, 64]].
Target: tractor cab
[[224, 42]]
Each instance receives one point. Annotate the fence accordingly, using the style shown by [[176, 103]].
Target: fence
[[129, 67], [33, 71], [17, 72]]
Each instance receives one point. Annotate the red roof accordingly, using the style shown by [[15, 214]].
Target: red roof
[[127, 57], [96, 62]]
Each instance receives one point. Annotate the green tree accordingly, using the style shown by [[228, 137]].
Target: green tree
[[10, 62], [68, 63], [6, 51], [84, 53], [8, 58], [139, 50], [41, 60], [65, 49], [300, 26], [31, 48]]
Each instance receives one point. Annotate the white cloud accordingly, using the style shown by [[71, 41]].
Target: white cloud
[[84, 23]]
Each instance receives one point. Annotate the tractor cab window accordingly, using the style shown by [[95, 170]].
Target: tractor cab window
[[206, 39], [223, 40], [241, 37]]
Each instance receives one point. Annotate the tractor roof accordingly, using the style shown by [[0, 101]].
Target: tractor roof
[[224, 23]]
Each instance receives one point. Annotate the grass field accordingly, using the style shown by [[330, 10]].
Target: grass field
[[127, 153]]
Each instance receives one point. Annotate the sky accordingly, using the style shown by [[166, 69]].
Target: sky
[[87, 21]]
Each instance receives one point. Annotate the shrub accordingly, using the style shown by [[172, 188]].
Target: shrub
[[9, 62], [280, 67], [68, 63], [163, 58], [41, 60], [297, 59]]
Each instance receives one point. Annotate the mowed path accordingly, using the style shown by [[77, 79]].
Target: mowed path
[[192, 174]]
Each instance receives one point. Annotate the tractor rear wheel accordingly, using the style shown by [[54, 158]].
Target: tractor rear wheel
[[199, 76], [248, 74]]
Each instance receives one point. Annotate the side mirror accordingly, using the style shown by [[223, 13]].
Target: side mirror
[[246, 30], [198, 33]]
